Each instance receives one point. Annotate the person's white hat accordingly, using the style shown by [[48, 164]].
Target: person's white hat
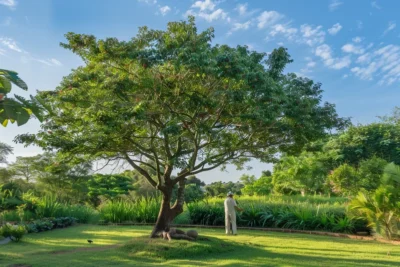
[[230, 193]]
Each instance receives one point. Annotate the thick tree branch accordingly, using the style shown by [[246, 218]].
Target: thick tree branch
[[141, 171]]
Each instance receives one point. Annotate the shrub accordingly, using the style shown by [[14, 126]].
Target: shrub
[[47, 224], [379, 209], [15, 232], [142, 210]]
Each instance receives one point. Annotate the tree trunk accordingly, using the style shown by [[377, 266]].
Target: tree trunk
[[167, 213], [165, 217]]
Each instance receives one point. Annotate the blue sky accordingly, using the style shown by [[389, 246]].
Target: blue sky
[[350, 46]]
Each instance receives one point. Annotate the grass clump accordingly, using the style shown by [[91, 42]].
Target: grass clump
[[178, 249]]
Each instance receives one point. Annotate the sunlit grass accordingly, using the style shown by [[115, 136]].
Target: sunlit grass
[[68, 247]]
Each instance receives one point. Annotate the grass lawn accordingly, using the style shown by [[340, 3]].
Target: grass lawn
[[129, 246]]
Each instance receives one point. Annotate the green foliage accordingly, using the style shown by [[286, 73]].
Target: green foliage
[[261, 187], [366, 141], [381, 208], [316, 214], [109, 186], [142, 210], [345, 180], [193, 193], [47, 224], [305, 173], [16, 109], [15, 232], [220, 189], [370, 172]]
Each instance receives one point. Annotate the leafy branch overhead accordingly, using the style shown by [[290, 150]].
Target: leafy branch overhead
[[16, 109]]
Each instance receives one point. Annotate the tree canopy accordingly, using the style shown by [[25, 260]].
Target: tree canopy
[[171, 98]]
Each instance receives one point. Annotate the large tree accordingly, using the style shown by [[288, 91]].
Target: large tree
[[172, 98]]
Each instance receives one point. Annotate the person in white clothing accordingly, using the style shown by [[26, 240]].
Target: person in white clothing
[[230, 214]]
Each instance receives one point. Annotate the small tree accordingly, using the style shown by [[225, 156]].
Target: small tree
[[381, 208], [171, 101], [345, 180], [109, 186]]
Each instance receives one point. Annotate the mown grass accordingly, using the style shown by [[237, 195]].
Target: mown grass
[[68, 247]]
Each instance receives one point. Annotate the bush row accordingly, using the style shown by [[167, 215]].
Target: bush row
[[83, 214], [299, 216], [16, 232], [303, 213], [47, 224]]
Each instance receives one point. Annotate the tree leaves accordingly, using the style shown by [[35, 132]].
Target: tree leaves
[[18, 109], [12, 76], [5, 85]]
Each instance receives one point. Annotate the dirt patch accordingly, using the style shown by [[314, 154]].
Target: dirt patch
[[71, 251]]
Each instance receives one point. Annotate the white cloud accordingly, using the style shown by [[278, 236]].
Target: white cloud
[[216, 15], [311, 64], [2, 52], [207, 12], [335, 29], [285, 30], [390, 27], [267, 18], [149, 2], [9, 3], [334, 5], [357, 39], [56, 62], [49, 62], [312, 36], [359, 24], [375, 5], [164, 10], [240, 26], [353, 49], [325, 53], [10, 44], [204, 5], [340, 63], [365, 58], [383, 63], [241, 9], [307, 34], [345, 76], [365, 73]]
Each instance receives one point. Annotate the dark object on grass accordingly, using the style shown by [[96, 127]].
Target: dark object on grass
[[90, 241], [192, 234], [174, 233]]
